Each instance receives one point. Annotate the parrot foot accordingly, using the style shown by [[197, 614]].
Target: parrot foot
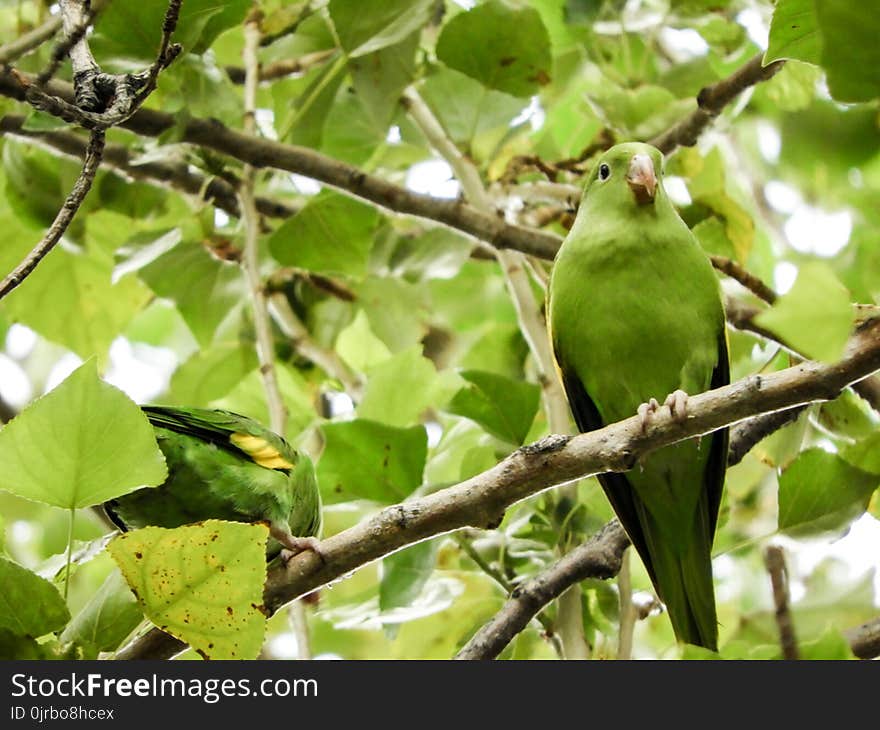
[[677, 402], [295, 545], [645, 411]]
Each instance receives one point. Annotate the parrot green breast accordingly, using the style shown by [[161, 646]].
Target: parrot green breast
[[222, 466], [636, 313]]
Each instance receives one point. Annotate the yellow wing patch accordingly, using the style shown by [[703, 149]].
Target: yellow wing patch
[[261, 451]]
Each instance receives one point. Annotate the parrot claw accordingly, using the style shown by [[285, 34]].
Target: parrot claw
[[294, 545], [677, 403], [646, 410]]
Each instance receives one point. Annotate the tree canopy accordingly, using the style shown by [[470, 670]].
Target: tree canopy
[[338, 217]]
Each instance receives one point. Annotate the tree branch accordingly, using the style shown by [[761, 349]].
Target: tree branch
[[482, 500], [177, 176], [71, 205], [599, 557], [774, 560], [711, 101]]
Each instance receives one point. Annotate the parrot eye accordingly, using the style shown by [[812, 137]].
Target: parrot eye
[[604, 171]]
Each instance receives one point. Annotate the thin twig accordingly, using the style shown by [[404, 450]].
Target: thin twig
[[628, 612], [482, 500], [30, 41], [711, 101], [774, 560], [744, 277], [251, 264], [284, 67], [529, 317], [71, 205]]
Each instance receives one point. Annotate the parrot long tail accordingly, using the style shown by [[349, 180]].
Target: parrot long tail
[[680, 568]]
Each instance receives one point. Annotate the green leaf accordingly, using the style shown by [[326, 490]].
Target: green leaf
[[379, 77], [204, 289], [848, 415], [210, 374], [133, 30], [502, 46], [110, 615], [504, 407], [368, 460], [399, 389], [820, 491], [71, 300], [81, 444], [395, 310], [29, 605], [359, 347], [815, 316], [302, 122], [332, 234], [365, 26], [202, 583], [864, 454], [850, 51], [472, 115], [794, 32], [404, 575]]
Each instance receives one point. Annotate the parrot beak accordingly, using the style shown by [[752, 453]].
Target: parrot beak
[[642, 179]]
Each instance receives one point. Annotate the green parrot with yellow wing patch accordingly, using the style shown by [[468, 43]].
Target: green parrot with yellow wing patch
[[635, 313], [225, 466]]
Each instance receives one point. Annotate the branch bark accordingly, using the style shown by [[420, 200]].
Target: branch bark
[[482, 500], [711, 101]]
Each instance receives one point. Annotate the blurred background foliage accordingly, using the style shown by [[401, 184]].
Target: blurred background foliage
[[426, 359]]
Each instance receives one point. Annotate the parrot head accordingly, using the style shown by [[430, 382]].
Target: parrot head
[[626, 175]]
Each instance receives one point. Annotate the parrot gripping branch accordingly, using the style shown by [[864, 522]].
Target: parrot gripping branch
[[483, 499]]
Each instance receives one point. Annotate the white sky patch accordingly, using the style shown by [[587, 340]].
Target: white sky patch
[[22, 531], [284, 646], [435, 431], [341, 404], [466, 4], [305, 185], [684, 42], [854, 175], [782, 197], [769, 142], [221, 219], [15, 386], [393, 136], [533, 113], [265, 119], [66, 364], [677, 190], [755, 26], [140, 371], [812, 230], [432, 177], [20, 341], [784, 275]]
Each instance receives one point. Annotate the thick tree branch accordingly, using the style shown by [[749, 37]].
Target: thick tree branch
[[482, 500], [121, 160], [711, 101], [864, 640]]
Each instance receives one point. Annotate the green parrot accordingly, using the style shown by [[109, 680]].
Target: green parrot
[[225, 466], [635, 312]]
